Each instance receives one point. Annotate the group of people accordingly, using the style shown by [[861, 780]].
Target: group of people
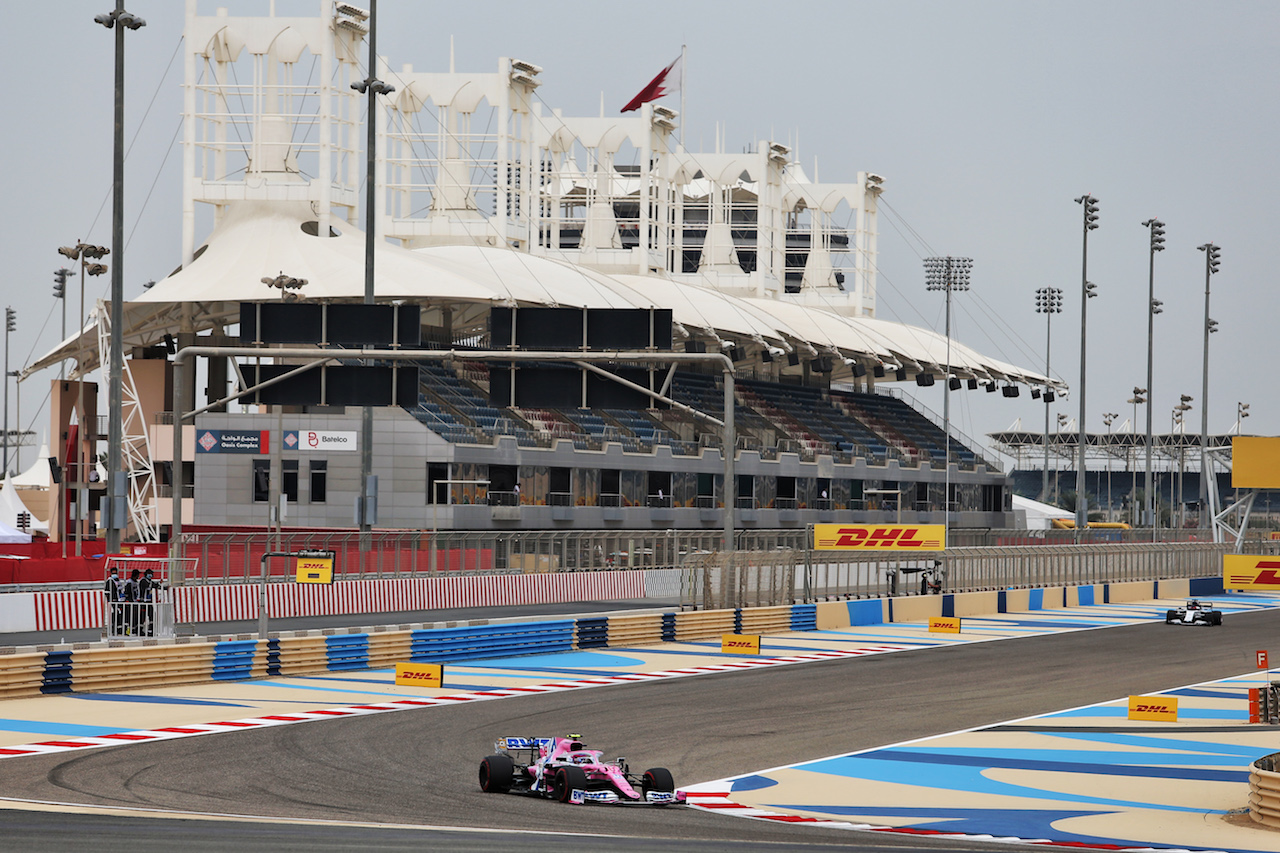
[[132, 603]]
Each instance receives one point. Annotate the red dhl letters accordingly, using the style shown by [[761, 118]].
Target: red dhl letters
[[1157, 708], [420, 674], [743, 644], [1244, 571], [879, 537]]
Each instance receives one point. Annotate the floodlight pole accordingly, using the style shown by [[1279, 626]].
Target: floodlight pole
[[947, 274], [370, 243], [1208, 496], [1156, 232], [1090, 210], [1048, 303], [117, 484]]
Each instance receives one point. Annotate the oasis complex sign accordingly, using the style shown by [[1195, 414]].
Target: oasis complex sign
[[258, 441], [879, 537]]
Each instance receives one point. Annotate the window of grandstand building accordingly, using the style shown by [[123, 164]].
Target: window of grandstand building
[[746, 492], [318, 480], [289, 479], [610, 487], [684, 487], [706, 497], [993, 498], [853, 494], [437, 489], [786, 498], [822, 496], [560, 487], [261, 480], [504, 485], [659, 489], [469, 491], [535, 483], [586, 486], [164, 470], [633, 488]]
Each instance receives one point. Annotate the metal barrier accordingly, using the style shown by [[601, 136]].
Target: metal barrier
[[760, 579], [236, 557]]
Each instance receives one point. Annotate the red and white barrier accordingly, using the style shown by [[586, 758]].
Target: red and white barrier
[[72, 609]]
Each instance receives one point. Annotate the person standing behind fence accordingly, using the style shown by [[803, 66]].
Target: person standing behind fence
[[131, 599], [113, 590], [146, 597]]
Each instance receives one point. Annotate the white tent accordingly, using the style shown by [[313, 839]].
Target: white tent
[[1038, 516], [37, 476], [11, 505]]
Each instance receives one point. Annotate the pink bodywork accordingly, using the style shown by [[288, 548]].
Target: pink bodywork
[[590, 760]]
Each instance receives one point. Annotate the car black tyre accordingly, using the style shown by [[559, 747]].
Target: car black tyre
[[1170, 616], [496, 774], [656, 779], [568, 779], [1215, 617]]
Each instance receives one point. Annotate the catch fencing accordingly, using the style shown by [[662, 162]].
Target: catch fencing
[[236, 557], [754, 579]]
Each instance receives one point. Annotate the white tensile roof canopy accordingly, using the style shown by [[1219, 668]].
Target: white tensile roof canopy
[[261, 239]]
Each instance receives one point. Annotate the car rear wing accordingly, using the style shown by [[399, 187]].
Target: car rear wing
[[533, 745]]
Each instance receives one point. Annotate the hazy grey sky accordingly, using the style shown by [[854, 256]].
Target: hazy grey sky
[[986, 119]]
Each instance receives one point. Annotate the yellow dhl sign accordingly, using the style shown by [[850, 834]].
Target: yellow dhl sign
[[314, 570], [879, 537], [740, 644], [419, 674], [1245, 571], [944, 625], [1159, 708]]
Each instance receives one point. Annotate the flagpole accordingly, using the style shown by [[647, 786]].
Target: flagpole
[[684, 72]]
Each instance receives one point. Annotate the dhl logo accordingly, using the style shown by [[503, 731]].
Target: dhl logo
[[944, 625], [1243, 571], [1153, 708], [743, 644], [877, 537], [421, 675]]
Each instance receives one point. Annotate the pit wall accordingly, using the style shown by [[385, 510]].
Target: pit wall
[[124, 665]]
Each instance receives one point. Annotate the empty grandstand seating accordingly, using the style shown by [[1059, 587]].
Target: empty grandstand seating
[[769, 417]]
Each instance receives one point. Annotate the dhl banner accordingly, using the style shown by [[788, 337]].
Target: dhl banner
[[1249, 571], [314, 570], [879, 537], [419, 674], [944, 625], [740, 644], [1159, 708], [314, 566]]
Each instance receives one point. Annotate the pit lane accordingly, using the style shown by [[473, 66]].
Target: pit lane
[[418, 767]]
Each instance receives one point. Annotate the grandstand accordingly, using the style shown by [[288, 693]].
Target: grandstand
[[752, 258]]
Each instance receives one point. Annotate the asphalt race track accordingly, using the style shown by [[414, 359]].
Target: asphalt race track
[[418, 767]]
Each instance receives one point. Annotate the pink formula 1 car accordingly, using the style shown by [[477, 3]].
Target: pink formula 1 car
[[562, 768]]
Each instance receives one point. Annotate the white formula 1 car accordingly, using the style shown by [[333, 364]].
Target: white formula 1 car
[[1194, 612], [562, 768]]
